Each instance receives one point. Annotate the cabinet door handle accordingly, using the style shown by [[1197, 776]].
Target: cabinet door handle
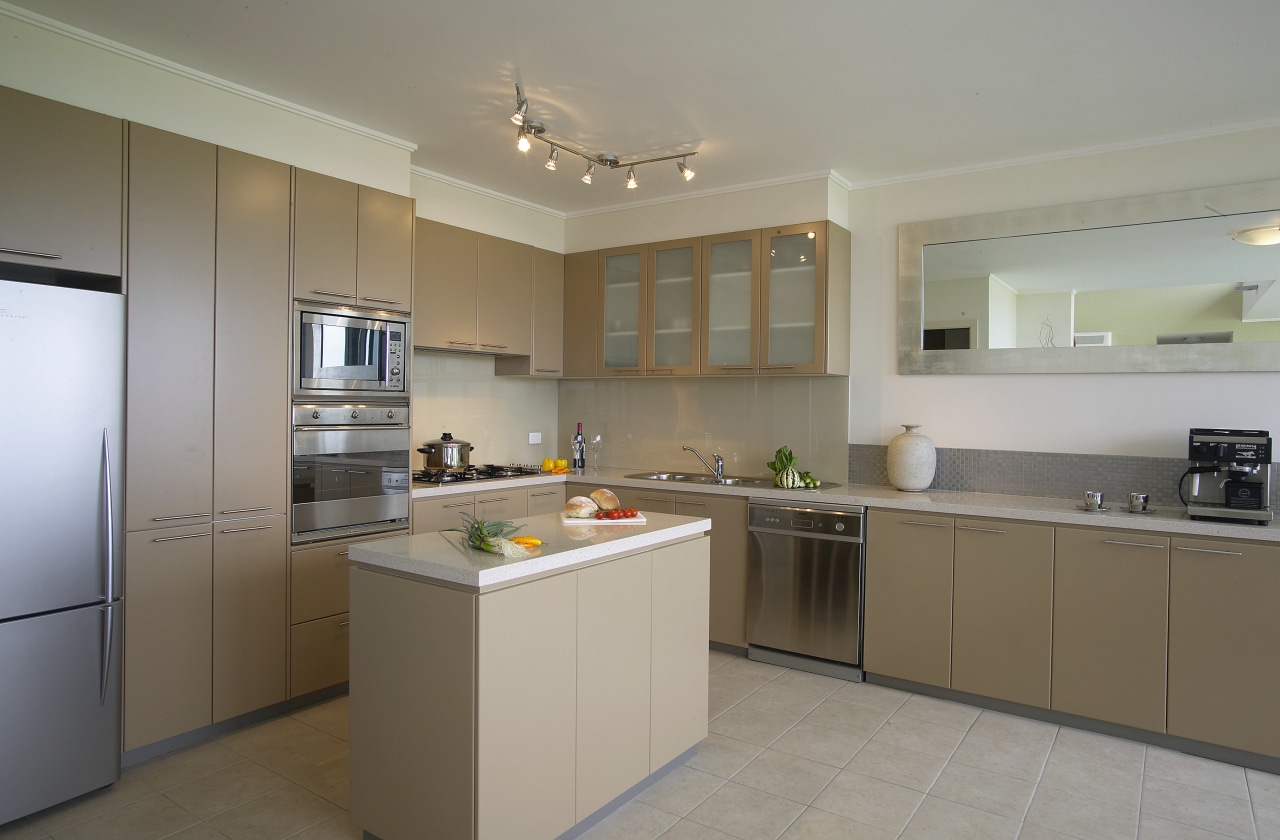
[[494, 346], [344, 623], [343, 553], [238, 530], [487, 501], [186, 537], [333, 294], [544, 493], [358, 472], [183, 516], [776, 367], [1209, 550], [1134, 544], [737, 367], [925, 524], [547, 370], [246, 510], [463, 343], [699, 504], [983, 530], [457, 504], [662, 371], [385, 300], [653, 499], [22, 253]]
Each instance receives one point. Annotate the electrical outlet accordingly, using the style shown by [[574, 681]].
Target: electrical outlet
[[535, 437]]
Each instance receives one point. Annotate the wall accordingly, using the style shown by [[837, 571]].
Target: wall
[[956, 302], [1136, 414], [1055, 308], [69, 65], [461, 205]]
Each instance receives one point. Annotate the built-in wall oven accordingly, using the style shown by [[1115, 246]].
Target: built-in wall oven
[[348, 353], [351, 470]]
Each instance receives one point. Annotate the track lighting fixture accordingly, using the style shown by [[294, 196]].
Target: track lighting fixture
[[531, 130]]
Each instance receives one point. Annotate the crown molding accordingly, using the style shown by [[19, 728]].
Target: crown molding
[[150, 60], [487, 193]]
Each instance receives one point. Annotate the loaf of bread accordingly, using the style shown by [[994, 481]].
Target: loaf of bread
[[605, 499], [580, 507]]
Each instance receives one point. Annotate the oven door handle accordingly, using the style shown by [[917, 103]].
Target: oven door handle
[[373, 427]]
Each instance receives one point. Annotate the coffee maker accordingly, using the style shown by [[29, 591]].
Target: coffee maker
[[1230, 475]]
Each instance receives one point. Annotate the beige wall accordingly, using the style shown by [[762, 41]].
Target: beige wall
[[1137, 414], [451, 203], [644, 423]]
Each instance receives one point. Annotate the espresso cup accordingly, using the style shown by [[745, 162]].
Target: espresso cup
[[1092, 499], [1138, 502]]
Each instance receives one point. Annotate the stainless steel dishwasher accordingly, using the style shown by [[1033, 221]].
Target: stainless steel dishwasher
[[804, 586]]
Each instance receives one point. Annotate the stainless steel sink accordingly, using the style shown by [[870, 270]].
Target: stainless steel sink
[[665, 476], [727, 481]]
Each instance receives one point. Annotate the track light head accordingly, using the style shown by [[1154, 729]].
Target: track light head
[[551, 159], [631, 178], [587, 176], [522, 140], [522, 107], [685, 170]]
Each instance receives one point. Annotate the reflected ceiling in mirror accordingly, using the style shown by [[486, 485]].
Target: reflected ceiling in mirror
[[1153, 283]]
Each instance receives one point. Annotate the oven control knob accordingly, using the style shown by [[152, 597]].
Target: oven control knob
[[315, 415], [395, 371], [391, 415], [355, 414]]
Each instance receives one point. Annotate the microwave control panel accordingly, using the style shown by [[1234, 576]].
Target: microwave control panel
[[395, 358]]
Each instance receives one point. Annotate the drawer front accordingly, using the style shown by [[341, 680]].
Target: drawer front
[[318, 582], [318, 654], [546, 500], [503, 504], [437, 514]]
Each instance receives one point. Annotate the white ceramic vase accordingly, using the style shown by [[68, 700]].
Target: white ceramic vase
[[913, 460]]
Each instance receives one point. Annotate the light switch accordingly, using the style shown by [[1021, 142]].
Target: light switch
[[535, 437]]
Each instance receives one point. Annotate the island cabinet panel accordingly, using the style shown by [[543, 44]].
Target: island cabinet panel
[[168, 635], [1003, 604], [60, 198], [172, 225], [615, 619], [413, 717], [384, 249], [1224, 631], [526, 706], [1110, 625], [250, 615], [908, 597], [324, 238], [729, 550], [681, 588], [546, 499], [581, 300]]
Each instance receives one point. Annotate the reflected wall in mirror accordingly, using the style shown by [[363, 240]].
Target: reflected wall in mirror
[[1154, 283]]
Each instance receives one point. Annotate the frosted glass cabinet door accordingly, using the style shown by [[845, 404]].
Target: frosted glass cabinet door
[[730, 302], [675, 282], [794, 299], [623, 311]]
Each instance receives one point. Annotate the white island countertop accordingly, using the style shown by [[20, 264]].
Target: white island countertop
[[445, 556]]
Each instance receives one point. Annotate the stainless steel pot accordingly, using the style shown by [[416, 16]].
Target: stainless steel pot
[[447, 454]]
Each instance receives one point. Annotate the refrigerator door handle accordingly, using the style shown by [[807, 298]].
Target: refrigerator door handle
[[106, 652], [109, 513]]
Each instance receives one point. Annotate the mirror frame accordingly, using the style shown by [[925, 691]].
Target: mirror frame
[[1164, 207]]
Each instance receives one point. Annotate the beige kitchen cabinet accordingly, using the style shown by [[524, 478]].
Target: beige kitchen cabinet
[[622, 317], [729, 552], [318, 581], [504, 288], [804, 299], [907, 625], [615, 620], [251, 345], [353, 245], [1224, 631], [250, 614], [681, 591], [731, 303], [61, 204], [581, 300], [512, 503], [438, 513], [172, 225], [319, 654], [547, 358], [546, 499], [168, 633], [1110, 625], [1003, 605], [673, 281]]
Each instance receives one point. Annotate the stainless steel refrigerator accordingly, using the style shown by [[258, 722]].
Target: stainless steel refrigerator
[[61, 531]]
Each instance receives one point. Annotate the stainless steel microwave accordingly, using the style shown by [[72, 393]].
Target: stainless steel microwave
[[344, 353]]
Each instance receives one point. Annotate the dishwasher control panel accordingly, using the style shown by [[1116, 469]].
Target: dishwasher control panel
[[838, 522]]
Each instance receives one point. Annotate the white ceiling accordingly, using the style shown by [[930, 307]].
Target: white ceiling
[[870, 89]]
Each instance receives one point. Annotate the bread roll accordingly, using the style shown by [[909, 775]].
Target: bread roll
[[605, 499], [580, 507]]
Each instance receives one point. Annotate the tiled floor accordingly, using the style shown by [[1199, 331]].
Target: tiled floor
[[791, 755]]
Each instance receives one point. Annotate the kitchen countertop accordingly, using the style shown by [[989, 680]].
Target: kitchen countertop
[[1172, 520], [445, 556]]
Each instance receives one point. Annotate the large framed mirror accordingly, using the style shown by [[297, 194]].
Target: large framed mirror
[[1147, 284]]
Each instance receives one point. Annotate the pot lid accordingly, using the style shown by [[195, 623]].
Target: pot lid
[[446, 439]]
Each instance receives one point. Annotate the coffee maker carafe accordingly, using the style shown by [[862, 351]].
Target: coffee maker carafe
[[1230, 475]]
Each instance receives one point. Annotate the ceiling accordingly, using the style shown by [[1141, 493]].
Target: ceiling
[[873, 90]]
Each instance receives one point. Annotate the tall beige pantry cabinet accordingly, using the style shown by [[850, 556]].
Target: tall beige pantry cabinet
[[207, 458]]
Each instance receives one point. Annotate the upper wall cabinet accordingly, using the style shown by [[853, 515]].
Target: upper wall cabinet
[[61, 196], [352, 244], [474, 291], [547, 358], [773, 301], [581, 292]]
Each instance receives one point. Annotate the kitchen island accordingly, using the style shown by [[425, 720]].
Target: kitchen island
[[495, 697]]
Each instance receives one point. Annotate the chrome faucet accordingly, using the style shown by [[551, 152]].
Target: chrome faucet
[[717, 470]]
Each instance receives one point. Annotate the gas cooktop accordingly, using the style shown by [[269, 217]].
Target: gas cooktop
[[488, 472]]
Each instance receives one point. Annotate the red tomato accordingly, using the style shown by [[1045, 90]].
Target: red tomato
[[600, 514]]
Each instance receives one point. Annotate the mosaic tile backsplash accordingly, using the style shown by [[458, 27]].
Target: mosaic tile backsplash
[[1053, 475]]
